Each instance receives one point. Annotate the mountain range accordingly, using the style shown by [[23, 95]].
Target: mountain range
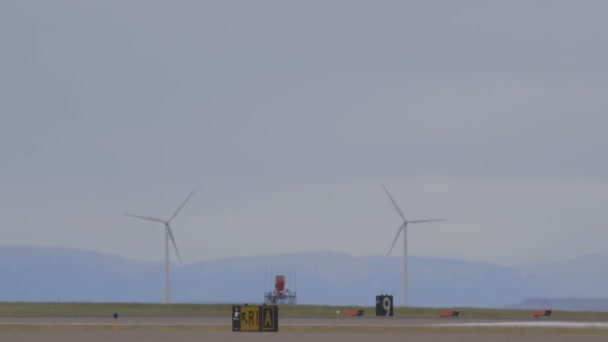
[[318, 277]]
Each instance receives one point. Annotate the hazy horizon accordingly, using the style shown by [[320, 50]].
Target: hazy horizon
[[44, 274], [160, 260], [288, 117]]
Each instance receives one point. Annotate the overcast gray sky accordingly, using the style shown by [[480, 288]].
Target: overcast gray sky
[[288, 116]]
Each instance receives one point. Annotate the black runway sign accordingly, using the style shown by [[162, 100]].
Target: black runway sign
[[384, 305]]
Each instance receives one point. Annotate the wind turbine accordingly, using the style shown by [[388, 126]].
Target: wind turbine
[[168, 235], [403, 228]]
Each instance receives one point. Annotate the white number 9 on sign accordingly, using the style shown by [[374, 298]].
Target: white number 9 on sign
[[386, 305]]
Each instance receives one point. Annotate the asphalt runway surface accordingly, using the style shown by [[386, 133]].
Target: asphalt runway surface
[[287, 321], [283, 336], [104, 330]]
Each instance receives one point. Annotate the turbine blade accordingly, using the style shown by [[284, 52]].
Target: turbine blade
[[173, 241], [181, 206], [394, 203], [395, 239], [149, 218], [429, 220]]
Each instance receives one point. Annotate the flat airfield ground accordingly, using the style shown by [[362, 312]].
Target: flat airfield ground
[[286, 336], [354, 329]]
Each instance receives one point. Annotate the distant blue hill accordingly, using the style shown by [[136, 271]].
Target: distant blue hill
[[320, 277], [571, 304]]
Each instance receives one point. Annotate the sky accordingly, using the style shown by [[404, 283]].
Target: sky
[[287, 117]]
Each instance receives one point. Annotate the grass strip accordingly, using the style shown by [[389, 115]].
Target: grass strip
[[68, 309]]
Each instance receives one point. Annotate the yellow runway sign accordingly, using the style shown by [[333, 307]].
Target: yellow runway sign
[[255, 318]]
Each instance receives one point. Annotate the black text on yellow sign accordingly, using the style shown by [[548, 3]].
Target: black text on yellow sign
[[255, 318], [250, 318]]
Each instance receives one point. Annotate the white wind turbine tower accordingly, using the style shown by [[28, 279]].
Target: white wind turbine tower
[[403, 228], [168, 235]]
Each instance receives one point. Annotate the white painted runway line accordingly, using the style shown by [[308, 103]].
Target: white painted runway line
[[547, 324], [68, 324]]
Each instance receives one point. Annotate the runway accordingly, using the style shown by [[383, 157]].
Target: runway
[[355, 329], [304, 322], [285, 336]]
